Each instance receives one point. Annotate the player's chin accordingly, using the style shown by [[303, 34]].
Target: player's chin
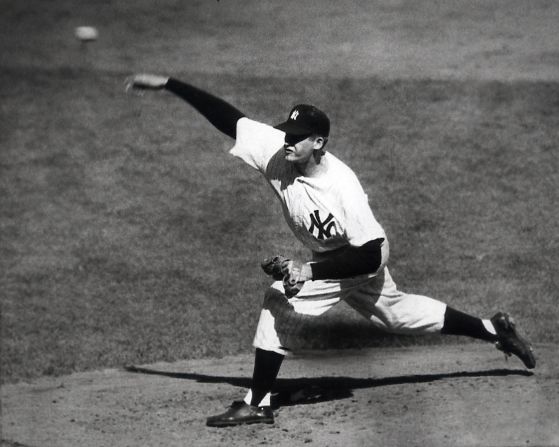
[[290, 156]]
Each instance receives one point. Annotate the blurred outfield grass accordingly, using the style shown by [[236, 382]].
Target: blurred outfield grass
[[129, 235]]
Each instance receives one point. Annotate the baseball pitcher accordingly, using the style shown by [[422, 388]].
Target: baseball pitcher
[[327, 210]]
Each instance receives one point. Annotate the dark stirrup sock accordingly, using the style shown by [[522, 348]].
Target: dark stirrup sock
[[459, 323], [266, 368]]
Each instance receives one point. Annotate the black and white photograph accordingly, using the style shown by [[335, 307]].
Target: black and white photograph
[[279, 222]]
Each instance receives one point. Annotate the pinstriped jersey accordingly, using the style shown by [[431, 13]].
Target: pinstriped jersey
[[325, 213]]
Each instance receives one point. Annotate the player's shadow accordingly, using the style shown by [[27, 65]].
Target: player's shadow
[[309, 390]]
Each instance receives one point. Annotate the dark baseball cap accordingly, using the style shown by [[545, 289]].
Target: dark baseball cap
[[305, 119]]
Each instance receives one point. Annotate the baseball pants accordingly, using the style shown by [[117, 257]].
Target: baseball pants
[[375, 297]]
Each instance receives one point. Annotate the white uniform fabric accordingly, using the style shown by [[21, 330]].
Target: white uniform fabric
[[327, 213], [324, 213]]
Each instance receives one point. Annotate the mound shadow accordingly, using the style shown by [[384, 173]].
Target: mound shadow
[[310, 390]]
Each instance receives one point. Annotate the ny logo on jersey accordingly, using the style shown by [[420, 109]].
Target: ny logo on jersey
[[294, 115], [324, 227]]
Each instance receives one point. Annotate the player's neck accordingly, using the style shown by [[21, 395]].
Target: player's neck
[[314, 167]]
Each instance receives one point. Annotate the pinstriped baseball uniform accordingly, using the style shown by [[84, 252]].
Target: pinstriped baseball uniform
[[329, 213], [326, 214]]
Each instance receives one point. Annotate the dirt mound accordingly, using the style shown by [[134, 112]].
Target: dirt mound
[[450, 395]]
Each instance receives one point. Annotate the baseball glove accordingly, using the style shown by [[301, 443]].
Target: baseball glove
[[276, 267], [292, 274]]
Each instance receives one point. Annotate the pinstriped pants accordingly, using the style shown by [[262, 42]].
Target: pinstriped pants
[[375, 297]]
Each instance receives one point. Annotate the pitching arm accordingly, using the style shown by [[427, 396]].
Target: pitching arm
[[222, 115]]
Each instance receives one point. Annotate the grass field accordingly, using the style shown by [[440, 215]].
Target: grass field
[[129, 235]]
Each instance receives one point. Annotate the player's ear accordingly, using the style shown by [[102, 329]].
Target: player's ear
[[319, 142]]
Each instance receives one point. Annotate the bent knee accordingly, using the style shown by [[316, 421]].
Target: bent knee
[[275, 300]]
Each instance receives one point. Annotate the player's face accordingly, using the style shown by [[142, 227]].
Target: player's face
[[300, 149]]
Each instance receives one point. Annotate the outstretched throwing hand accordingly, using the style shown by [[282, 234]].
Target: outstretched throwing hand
[[145, 81]]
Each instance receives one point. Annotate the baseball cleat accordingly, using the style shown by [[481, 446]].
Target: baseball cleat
[[241, 413], [510, 342]]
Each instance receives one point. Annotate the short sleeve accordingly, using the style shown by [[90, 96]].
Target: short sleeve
[[361, 225], [256, 143]]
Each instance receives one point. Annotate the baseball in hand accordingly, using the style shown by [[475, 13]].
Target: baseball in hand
[[86, 33]]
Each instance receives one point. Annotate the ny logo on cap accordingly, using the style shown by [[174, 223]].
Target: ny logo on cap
[[294, 115]]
